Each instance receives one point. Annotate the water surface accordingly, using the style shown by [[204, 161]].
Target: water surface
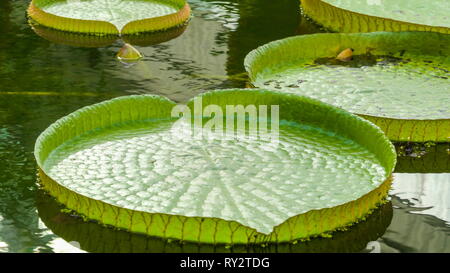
[[41, 81]]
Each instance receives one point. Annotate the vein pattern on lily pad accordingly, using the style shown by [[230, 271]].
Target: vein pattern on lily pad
[[380, 15], [127, 163]]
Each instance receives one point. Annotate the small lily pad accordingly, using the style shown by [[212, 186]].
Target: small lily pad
[[397, 80], [127, 163], [110, 17]]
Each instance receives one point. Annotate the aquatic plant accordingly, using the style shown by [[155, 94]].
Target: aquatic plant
[[397, 80], [100, 17], [130, 163]]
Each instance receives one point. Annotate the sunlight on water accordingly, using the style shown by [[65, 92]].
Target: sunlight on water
[[428, 192], [209, 55]]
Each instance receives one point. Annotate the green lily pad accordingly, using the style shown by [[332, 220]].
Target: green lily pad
[[127, 163], [397, 80], [110, 17], [379, 15]]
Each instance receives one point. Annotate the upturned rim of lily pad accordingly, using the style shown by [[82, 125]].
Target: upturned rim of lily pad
[[103, 28], [93, 41], [73, 228], [212, 230], [328, 45], [346, 21]]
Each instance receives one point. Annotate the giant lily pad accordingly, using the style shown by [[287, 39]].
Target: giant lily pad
[[398, 80], [127, 163], [379, 15], [110, 17]]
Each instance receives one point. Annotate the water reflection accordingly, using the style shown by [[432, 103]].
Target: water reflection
[[19, 230], [410, 232], [41, 81], [428, 193], [82, 40]]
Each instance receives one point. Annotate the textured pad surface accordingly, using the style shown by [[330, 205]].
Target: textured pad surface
[[398, 88], [431, 13], [117, 12], [159, 168]]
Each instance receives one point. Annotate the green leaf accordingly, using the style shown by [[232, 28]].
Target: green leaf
[[398, 80], [110, 17], [379, 15], [127, 163]]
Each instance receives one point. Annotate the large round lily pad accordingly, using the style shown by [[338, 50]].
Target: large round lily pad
[[397, 80], [110, 17], [127, 163], [379, 15]]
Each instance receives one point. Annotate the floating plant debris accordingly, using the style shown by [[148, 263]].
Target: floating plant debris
[[83, 40]]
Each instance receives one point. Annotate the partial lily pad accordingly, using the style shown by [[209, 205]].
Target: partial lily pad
[[110, 17], [127, 163], [379, 15], [399, 80]]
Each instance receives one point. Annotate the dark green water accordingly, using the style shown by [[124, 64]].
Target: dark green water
[[41, 81]]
